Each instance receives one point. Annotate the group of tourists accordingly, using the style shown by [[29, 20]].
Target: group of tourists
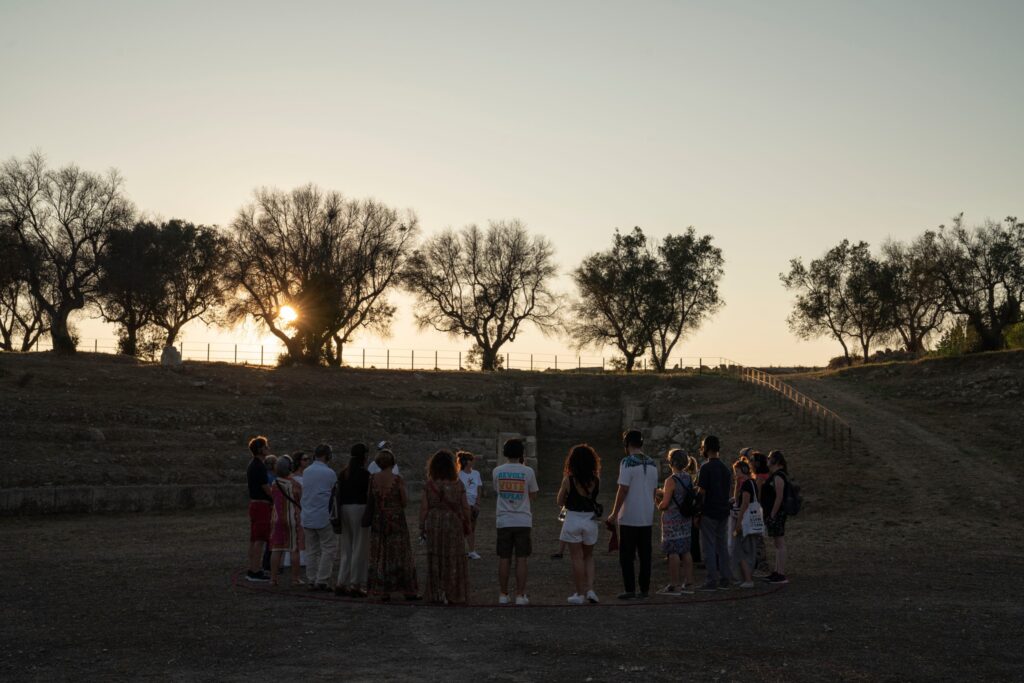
[[303, 513]]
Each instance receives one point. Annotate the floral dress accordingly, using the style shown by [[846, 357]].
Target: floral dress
[[447, 566], [676, 529], [391, 564]]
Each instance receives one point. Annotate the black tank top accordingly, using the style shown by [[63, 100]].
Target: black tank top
[[577, 502]]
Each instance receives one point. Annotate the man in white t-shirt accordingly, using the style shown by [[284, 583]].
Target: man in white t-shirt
[[515, 485], [633, 511]]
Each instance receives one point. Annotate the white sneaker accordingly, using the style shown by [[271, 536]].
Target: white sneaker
[[522, 600], [576, 599], [503, 599], [592, 597], [474, 555], [747, 584]]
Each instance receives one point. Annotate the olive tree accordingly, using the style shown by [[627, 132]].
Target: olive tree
[[62, 219], [484, 284], [330, 258]]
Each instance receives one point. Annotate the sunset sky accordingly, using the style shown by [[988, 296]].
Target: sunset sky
[[778, 127]]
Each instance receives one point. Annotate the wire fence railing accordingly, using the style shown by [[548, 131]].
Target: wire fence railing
[[825, 421], [416, 359]]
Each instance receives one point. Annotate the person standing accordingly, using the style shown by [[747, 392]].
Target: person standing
[[676, 524], [515, 485], [321, 543], [473, 484], [299, 461], [353, 484], [578, 493], [260, 507], [286, 529], [774, 492], [744, 546], [445, 522], [715, 483], [633, 511], [391, 564]]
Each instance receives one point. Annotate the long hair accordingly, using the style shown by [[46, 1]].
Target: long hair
[[583, 464], [461, 458], [779, 458], [356, 460], [692, 467], [441, 466]]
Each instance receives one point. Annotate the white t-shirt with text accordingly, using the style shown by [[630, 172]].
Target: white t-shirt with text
[[513, 484], [640, 474]]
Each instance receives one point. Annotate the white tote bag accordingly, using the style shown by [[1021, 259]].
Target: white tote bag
[[753, 518]]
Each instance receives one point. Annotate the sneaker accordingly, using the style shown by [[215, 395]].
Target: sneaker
[[628, 595], [745, 584], [777, 578], [503, 599], [668, 590], [592, 597], [685, 590], [643, 595], [761, 573], [257, 577], [474, 555], [576, 599], [522, 600], [708, 587], [724, 585]]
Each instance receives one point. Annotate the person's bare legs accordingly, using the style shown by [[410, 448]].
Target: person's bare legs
[[688, 569], [780, 555], [579, 568], [673, 570], [275, 565], [256, 557], [504, 564], [588, 567], [521, 576]]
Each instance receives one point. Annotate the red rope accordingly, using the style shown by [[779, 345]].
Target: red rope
[[271, 590]]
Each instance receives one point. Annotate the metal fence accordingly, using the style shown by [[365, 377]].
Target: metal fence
[[414, 359], [825, 421]]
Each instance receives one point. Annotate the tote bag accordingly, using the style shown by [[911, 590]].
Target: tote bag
[[753, 518]]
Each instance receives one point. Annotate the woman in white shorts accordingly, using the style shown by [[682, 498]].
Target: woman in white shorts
[[578, 495]]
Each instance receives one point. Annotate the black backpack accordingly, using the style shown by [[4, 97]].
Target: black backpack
[[792, 499], [690, 507]]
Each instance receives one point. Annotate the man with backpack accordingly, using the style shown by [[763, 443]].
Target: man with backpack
[[715, 483], [781, 499]]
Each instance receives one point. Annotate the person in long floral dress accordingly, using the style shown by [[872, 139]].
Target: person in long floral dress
[[391, 567], [445, 520]]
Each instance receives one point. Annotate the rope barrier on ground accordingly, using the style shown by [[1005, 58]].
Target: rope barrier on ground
[[733, 596]]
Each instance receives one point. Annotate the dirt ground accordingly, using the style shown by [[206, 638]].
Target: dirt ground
[[902, 567]]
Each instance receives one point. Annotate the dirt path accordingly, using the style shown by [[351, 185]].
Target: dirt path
[[907, 451]]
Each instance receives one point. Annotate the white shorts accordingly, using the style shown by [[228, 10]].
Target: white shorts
[[579, 527]]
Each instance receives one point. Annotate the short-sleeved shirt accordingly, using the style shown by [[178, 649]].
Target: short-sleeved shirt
[[256, 475], [640, 474], [472, 481], [513, 484], [317, 482], [715, 480]]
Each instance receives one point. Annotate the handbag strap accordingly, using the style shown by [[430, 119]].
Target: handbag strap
[[285, 494]]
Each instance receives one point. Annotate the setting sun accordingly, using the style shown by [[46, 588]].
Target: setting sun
[[287, 314]]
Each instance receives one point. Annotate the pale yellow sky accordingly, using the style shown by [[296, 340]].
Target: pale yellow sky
[[779, 128]]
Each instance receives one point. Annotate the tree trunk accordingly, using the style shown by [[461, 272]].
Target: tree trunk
[[172, 334], [63, 344], [630, 362], [488, 359], [130, 343]]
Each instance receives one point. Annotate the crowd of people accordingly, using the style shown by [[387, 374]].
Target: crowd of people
[[303, 513]]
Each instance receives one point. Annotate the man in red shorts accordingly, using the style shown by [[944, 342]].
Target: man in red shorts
[[260, 506]]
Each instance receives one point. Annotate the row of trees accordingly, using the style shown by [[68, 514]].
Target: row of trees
[[969, 279], [72, 240]]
